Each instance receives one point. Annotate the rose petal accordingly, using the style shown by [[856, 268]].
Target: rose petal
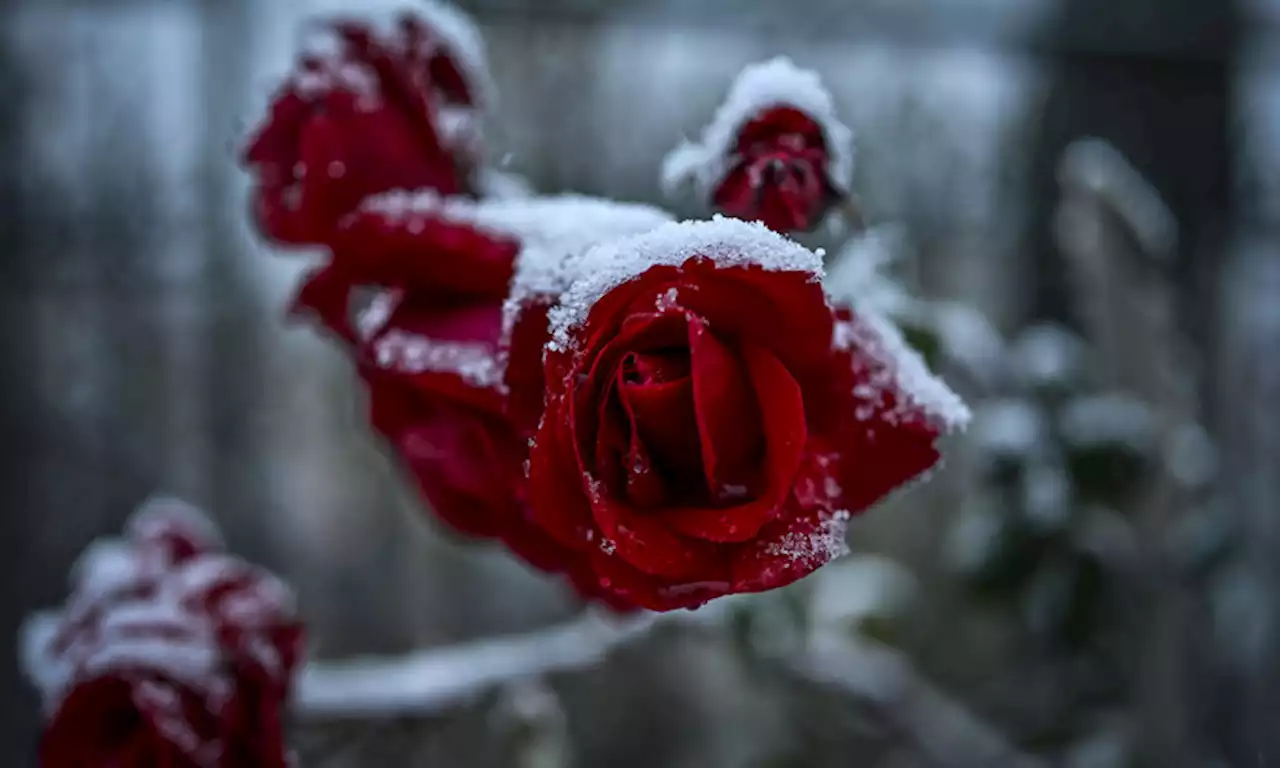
[[431, 254], [727, 416], [784, 438], [663, 418]]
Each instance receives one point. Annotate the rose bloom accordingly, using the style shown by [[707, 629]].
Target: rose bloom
[[355, 120], [169, 652], [710, 422], [426, 345], [778, 173]]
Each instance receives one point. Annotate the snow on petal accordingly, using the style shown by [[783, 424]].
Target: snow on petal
[[777, 82], [726, 242], [902, 370], [475, 363]]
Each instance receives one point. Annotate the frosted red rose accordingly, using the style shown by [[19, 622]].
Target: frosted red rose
[[777, 174], [710, 423], [775, 151], [356, 119], [169, 652]]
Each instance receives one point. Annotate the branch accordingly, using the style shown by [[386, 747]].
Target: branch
[[434, 681], [431, 681]]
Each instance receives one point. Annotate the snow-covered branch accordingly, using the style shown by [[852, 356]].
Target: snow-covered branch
[[867, 673]]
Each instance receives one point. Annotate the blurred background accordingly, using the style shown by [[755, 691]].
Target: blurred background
[[1096, 573]]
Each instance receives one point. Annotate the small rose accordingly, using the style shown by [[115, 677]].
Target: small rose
[[775, 152], [777, 173], [169, 652], [710, 422], [355, 121]]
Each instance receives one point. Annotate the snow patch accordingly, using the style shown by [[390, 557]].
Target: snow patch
[[1009, 427], [900, 369], [411, 353], [1114, 419], [858, 276], [819, 546], [777, 82], [726, 242]]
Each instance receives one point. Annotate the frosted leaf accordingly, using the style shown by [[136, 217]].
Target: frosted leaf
[[860, 587], [758, 88], [1114, 419], [1009, 428], [1047, 356], [726, 242], [412, 353], [901, 370]]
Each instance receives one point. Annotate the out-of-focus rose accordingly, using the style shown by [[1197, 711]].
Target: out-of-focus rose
[[355, 120], [775, 151], [710, 423], [169, 652], [778, 173]]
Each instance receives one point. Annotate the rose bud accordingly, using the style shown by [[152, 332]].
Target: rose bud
[[775, 151], [356, 118], [168, 652]]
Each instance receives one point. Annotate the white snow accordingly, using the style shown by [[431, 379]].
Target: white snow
[[759, 87], [458, 34], [476, 363], [453, 31], [858, 275], [162, 513], [494, 184], [1046, 497], [823, 544], [726, 242], [901, 369]]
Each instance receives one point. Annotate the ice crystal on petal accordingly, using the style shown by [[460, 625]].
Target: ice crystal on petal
[[725, 242]]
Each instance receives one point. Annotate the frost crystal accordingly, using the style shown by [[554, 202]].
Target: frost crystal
[[900, 369], [726, 242], [412, 353], [823, 544], [758, 88]]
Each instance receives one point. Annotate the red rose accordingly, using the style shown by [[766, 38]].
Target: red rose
[[710, 423], [777, 174], [168, 653], [353, 122], [774, 153], [427, 346]]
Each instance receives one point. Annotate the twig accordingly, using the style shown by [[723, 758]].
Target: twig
[[430, 682]]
